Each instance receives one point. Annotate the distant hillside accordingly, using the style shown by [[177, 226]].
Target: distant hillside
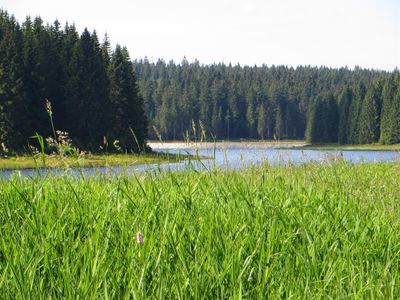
[[277, 102]]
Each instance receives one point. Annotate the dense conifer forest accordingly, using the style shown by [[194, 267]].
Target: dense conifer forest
[[98, 95], [91, 88], [323, 105]]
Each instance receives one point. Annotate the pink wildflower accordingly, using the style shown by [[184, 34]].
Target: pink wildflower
[[139, 238]]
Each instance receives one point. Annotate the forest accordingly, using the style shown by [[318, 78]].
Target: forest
[[322, 105], [101, 99], [219, 220], [90, 89]]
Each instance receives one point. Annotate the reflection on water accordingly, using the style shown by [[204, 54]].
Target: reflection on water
[[223, 158]]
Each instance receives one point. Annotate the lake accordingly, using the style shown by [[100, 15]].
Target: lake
[[224, 156]]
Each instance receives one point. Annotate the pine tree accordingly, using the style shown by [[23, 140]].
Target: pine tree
[[36, 42], [279, 123], [262, 122], [70, 108], [13, 113], [55, 77], [330, 119], [93, 106], [390, 120], [96, 95], [345, 100], [129, 123], [205, 105], [251, 120], [354, 114], [323, 118], [370, 115], [313, 122]]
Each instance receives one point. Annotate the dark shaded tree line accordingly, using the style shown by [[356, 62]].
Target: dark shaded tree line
[[364, 113], [231, 102], [92, 88]]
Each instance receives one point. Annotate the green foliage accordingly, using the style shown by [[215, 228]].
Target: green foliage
[[262, 122], [95, 95], [13, 111], [128, 123], [390, 119], [40, 62], [323, 120], [354, 113], [344, 102], [369, 126], [259, 102], [328, 232]]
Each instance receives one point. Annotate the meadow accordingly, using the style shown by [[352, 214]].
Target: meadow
[[312, 231]]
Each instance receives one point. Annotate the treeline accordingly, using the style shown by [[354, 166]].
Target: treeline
[[92, 88], [95, 95], [232, 102]]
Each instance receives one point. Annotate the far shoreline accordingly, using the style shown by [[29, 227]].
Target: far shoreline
[[267, 144], [221, 144]]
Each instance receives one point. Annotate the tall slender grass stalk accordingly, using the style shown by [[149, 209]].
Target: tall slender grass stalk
[[307, 231]]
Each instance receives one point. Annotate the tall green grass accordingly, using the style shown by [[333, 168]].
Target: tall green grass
[[311, 231]]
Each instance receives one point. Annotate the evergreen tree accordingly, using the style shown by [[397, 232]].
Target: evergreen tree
[[354, 114], [390, 116], [330, 119], [70, 109], [93, 93], [322, 126], [36, 70], [314, 121], [251, 118], [262, 122], [40, 62], [129, 123], [345, 100], [13, 114], [369, 116]]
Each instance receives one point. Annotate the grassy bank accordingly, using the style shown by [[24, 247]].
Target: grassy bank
[[311, 231], [366, 147], [53, 161]]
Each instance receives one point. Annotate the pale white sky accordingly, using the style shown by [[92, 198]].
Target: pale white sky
[[291, 32]]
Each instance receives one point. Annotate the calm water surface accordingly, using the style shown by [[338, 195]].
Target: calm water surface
[[224, 158]]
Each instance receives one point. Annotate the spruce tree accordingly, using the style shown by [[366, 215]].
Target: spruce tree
[[93, 106], [70, 108], [330, 119], [370, 115], [13, 113], [36, 70], [345, 100], [251, 115], [262, 122], [322, 125], [354, 113], [312, 134], [390, 120], [128, 123]]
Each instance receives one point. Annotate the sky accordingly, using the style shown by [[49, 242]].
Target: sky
[[333, 33]]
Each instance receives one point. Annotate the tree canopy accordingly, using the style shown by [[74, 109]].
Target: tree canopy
[[271, 102], [92, 89]]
